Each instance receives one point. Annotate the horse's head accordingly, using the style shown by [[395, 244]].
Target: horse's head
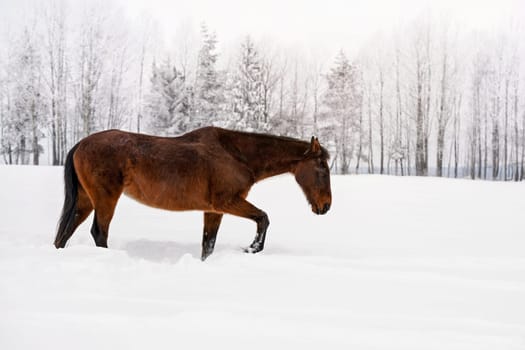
[[313, 175]]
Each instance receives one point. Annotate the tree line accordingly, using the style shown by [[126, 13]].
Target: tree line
[[426, 98]]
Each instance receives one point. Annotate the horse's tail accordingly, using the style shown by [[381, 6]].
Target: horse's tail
[[69, 211]]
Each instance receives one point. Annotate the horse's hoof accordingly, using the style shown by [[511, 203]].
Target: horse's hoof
[[253, 249]]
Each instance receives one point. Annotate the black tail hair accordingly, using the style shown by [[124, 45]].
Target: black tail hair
[[69, 211]]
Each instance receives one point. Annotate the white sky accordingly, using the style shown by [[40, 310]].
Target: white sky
[[318, 27], [326, 24]]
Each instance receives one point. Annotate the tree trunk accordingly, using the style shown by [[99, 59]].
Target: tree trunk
[[505, 131], [381, 123], [516, 133], [441, 120], [420, 128], [370, 129]]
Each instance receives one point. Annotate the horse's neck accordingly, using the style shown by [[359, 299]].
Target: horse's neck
[[272, 156]]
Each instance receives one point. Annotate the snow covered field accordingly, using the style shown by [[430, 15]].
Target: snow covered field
[[398, 263]]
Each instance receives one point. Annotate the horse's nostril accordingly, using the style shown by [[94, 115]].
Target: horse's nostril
[[321, 209]]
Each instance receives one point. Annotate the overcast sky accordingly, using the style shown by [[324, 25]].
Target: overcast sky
[[323, 26], [322, 23]]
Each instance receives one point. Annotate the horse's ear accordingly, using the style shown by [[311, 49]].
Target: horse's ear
[[315, 147]]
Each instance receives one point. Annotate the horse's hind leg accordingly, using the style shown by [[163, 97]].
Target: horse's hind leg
[[104, 211], [245, 209], [104, 188], [82, 210], [212, 222]]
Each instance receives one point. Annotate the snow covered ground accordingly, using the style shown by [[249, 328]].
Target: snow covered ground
[[398, 263]]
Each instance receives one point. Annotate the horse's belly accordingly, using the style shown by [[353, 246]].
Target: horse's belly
[[168, 196]]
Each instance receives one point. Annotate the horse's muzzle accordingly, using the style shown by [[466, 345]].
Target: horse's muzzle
[[321, 210]]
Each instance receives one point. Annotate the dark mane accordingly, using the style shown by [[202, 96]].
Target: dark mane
[[325, 155]]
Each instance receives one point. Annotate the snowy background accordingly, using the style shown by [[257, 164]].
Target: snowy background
[[398, 87], [398, 263]]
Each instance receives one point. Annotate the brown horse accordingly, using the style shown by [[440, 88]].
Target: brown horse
[[208, 169]]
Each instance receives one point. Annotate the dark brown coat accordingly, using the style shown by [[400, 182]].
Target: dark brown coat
[[209, 169]]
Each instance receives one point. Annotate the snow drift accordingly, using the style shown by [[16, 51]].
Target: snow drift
[[398, 263]]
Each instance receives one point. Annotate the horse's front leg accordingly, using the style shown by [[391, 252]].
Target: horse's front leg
[[243, 208], [262, 226], [212, 221]]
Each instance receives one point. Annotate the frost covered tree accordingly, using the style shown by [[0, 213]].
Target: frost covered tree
[[247, 93], [91, 59], [168, 103], [447, 91], [475, 134], [271, 73], [315, 77], [400, 140], [342, 101], [298, 100], [25, 113], [145, 45], [286, 88], [421, 93], [117, 104], [208, 102], [55, 69]]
